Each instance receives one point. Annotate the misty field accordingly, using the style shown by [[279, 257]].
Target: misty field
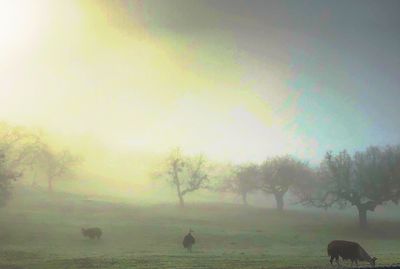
[[42, 230]]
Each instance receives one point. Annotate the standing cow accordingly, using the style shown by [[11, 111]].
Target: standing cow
[[348, 251], [92, 233]]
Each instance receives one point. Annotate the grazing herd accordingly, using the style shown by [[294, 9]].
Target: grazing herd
[[346, 250]]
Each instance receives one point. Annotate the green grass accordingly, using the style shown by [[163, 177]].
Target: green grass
[[39, 230]]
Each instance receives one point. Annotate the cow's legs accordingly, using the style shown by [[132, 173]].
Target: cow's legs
[[334, 258], [337, 260], [354, 262]]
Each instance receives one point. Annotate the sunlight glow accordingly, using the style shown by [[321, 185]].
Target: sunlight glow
[[20, 21], [101, 73]]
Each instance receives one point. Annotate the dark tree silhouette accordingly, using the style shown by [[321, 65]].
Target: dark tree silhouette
[[278, 174], [6, 178], [186, 174], [365, 180], [243, 181], [56, 164], [18, 148]]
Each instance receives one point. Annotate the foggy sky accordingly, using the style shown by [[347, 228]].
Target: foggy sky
[[224, 77], [344, 55]]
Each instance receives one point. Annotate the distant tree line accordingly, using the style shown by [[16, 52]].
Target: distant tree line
[[364, 180], [24, 151]]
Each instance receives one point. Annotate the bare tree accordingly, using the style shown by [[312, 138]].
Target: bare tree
[[366, 180], [6, 178], [243, 180], [56, 164], [186, 174], [278, 174], [18, 148]]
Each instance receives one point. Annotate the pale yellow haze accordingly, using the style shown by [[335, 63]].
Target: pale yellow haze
[[88, 68]]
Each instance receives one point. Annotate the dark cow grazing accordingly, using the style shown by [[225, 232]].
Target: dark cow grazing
[[348, 251], [92, 233], [188, 241]]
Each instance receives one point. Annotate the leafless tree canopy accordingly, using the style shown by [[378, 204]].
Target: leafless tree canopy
[[365, 180], [186, 174], [18, 150], [56, 164], [243, 180], [278, 174]]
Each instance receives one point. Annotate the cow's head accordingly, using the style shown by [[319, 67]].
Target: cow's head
[[372, 261]]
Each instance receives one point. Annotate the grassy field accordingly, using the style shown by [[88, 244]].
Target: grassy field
[[40, 230]]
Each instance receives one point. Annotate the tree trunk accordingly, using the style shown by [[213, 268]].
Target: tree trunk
[[181, 201], [279, 201], [178, 187], [50, 184], [34, 183], [362, 217], [244, 197], [179, 193]]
